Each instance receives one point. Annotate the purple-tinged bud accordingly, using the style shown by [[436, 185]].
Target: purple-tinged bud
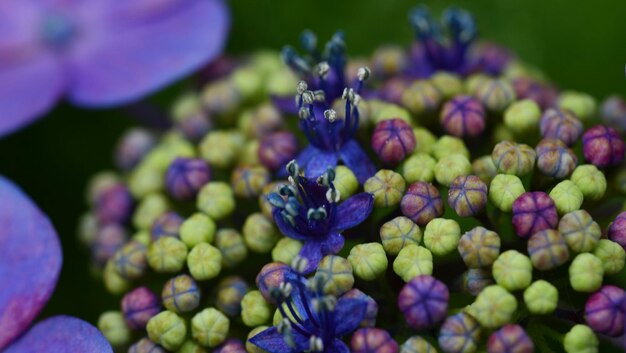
[[467, 195], [495, 94], [186, 176], [388, 61], [138, 306], [144, 345], [422, 203], [270, 277], [475, 280], [189, 117], [547, 249], [393, 89], [510, 339], [560, 124], [373, 340], [460, 333], [613, 112], [371, 312], [261, 121], [555, 159], [109, 239], [131, 261], [491, 58], [423, 301], [113, 203], [277, 149], [513, 158], [605, 312], [248, 181], [534, 212], [230, 292], [479, 247], [231, 345], [463, 116], [180, 294], [132, 147], [617, 230], [421, 96], [603, 146], [526, 88], [166, 225], [392, 140]]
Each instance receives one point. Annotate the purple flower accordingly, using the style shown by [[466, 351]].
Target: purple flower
[[30, 248], [99, 53], [308, 210], [312, 321]]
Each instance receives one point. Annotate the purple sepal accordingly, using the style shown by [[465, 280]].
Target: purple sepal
[[353, 211], [271, 340]]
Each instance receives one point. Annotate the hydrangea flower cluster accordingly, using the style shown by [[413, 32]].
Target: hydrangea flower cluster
[[446, 198]]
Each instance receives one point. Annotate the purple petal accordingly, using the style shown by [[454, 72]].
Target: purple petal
[[272, 341], [319, 162], [61, 334], [30, 261], [312, 252], [348, 315], [141, 46], [286, 228], [357, 160], [333, 244], [353, 211], [339, 347], [286, 104]]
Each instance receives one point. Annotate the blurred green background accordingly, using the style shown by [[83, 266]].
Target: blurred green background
[[579, 44]]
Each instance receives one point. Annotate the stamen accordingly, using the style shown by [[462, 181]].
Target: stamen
[[333, 195], [292, 206], [320, 96], [325, 303], [303, 113], [299, 263], [308, 97], [330, 115], [288, 218], [302, 87], [285, 288], [276, 200], [323, 69], [287, 190], [316, 214], [363, 73], [308, 41], [316, 344]]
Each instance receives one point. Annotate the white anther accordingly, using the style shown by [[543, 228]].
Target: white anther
[[299, 263], [302, 87], [316, 344], [330, 115], [308, 97], [333, 195], [363, 73], [323, 69]]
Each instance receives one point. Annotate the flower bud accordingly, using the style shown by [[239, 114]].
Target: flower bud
[[167, 329], [166, 225], [421, 97], [191, 347], [484, 168], [532, 213], [270, 188], [270, 277], [495, 94], [474, 280], [422, 203], [567, 196], [110, 238], [560, 124], [216, 199], [151, 207], [467, 195], [586, 273], [417, 344], [580, 339], [512, 158], [186, 176], [555, 159], [209, 327], [254, 309], [167, 255], [139, 306], [580, 231], [131, 260], [447, 83], [390, 111], [398, 233], [388, 61], [231, 345], [335, 275], [612, 256], [541, 297], [132, 147], [249, 154], [413, 260], [590, 181], [603, 146], [113, 203], [113, 327], [441, 236], [419, 167], [604, 311], [450, 167], [504, 190], [248, 181], [522, 116], [286, 250], [368, 260], [144, 345], [547, 249], [614, 112], [493, 307], [582, 104], [204, 262], [345, 182], [513, 270], [460, 333], [392, 140], [479, 247], [508, 339], [230, 292], [371, 312], [387, 188], [189, 117], [196, 229], [617, 230], [423, 301], [231, 245], [180, 294], [424, 140], [259, 233], [447, 145], [221, 148], [372, 340], [220, 97], [260, 121], [463, 116], [113, 282]]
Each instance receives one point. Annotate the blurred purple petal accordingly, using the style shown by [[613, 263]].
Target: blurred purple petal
[[333, 244], [141, 46], [319, 163], [348, 315], [357, 160], [272, 341], [61, 334], [30, 261], [312, 252], [353, 211], [286, 104]]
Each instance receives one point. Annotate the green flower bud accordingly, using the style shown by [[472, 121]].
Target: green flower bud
[[197, 229], [586, 273], [87, 228], [264, 205], [167, 329], [259, 233], [180, 294], [167, 255], [504, 190], [254, 309], [567, 196], [248, 182], [221, 148], [398, 233], [247, 82], [335, 275], [209, 327], [143, 237], [130, 260], [447, 145], [450, 167], [580, 231], [392, 111], [282, 83], [216, 199], [580, 339], [493, 307], [387, 187], [286, 250], [424, 140], [172, 145], [220, 97], [590, 181], [345, 182], [204, 262], [368, 260], [113, 282], [151, 207], [479, 247], [114, 328], [253, 348], [513, 158], [522, 116], [473, 81], [231, 245], [582, 104], [413, 260], [447, 83], [612, 256], [541, 297], [502, 133], [250, 153], [417, 344], [484, 168], [495, 94], [191, 347], [441, 236], [144, 180], [419, 167], [421, 97], [513, 270]]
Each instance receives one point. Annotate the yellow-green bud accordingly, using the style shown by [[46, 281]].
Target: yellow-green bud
[[441, 236], [419, 167], [448, 83], [259, 233], [167, 329], [286, 250], [114, 328], [541, 297], [450, 167], [580, 231], [392, 111], [586, 273], [221, 148], [368, 260], [142, 236], [417, 344], [209, 327], [167, 255], [424, 140], [504, 190], [345, 182], [250, 153], [335, 274], [151, 207], [582, 104], [191, 347], [580, 339], [387, 187], [484, 168], [253, 348], [447, 145], [216, 199], [248, 181], [413, 260], [144, 180], [398, 233], [567, 196], [254, 309], [231, 245], [590, 181], [248, 82], [513, 270], [493, 307], [522, 116], [612, 256], [197, 229], [113, 282], [204, 262]]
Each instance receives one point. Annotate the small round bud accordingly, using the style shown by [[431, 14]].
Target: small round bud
[[614, 112], [270, 277], [345, 182], [479, 247], [259, 233], [209, 327], [254, 309], [189, 117], [204, 262], [495, 94], [450, 167], [372, 340], [110, 239], [513, 270], [186, 176], [392, 140], [190, 346], [167, 255], [603, 146], [460, 333], [368, 260], [422, 203], [522, 116], [249, 181], [547, 249], [167, 329], [144, 345], [504, 190], [221, 148], [419, 167], [447, 145], [335, 275], [231, 245], [386, 186], [151, 207], [423, 301], [617, 230], [586, 273], [391, 111], [484, 168], [441, 236], [529, 88], [424, 140], [113, 327], [113, 282], [421, 96], [231, 345], [286, 250], [388, 61], [260, 121], [250, 153], [413, 260], [541, 297], [113, 203], [560, 124], [220, 97], [493, 307], [130, 261], [463, 116], [580, 231], [554, 159], [580, 339], [533, 212], [590, 181], [216, 199], [180, 294], [447, 83], [467, 195], [567, 196], [197, 229], [510, 339], [604, 311], [398, 233], [166, 225], [417, 344], [612, 256], [132, 147], [139, 306], [582, 104], [475, 280], [230, 292], [253, 348], [371, 312], [512, 158]]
